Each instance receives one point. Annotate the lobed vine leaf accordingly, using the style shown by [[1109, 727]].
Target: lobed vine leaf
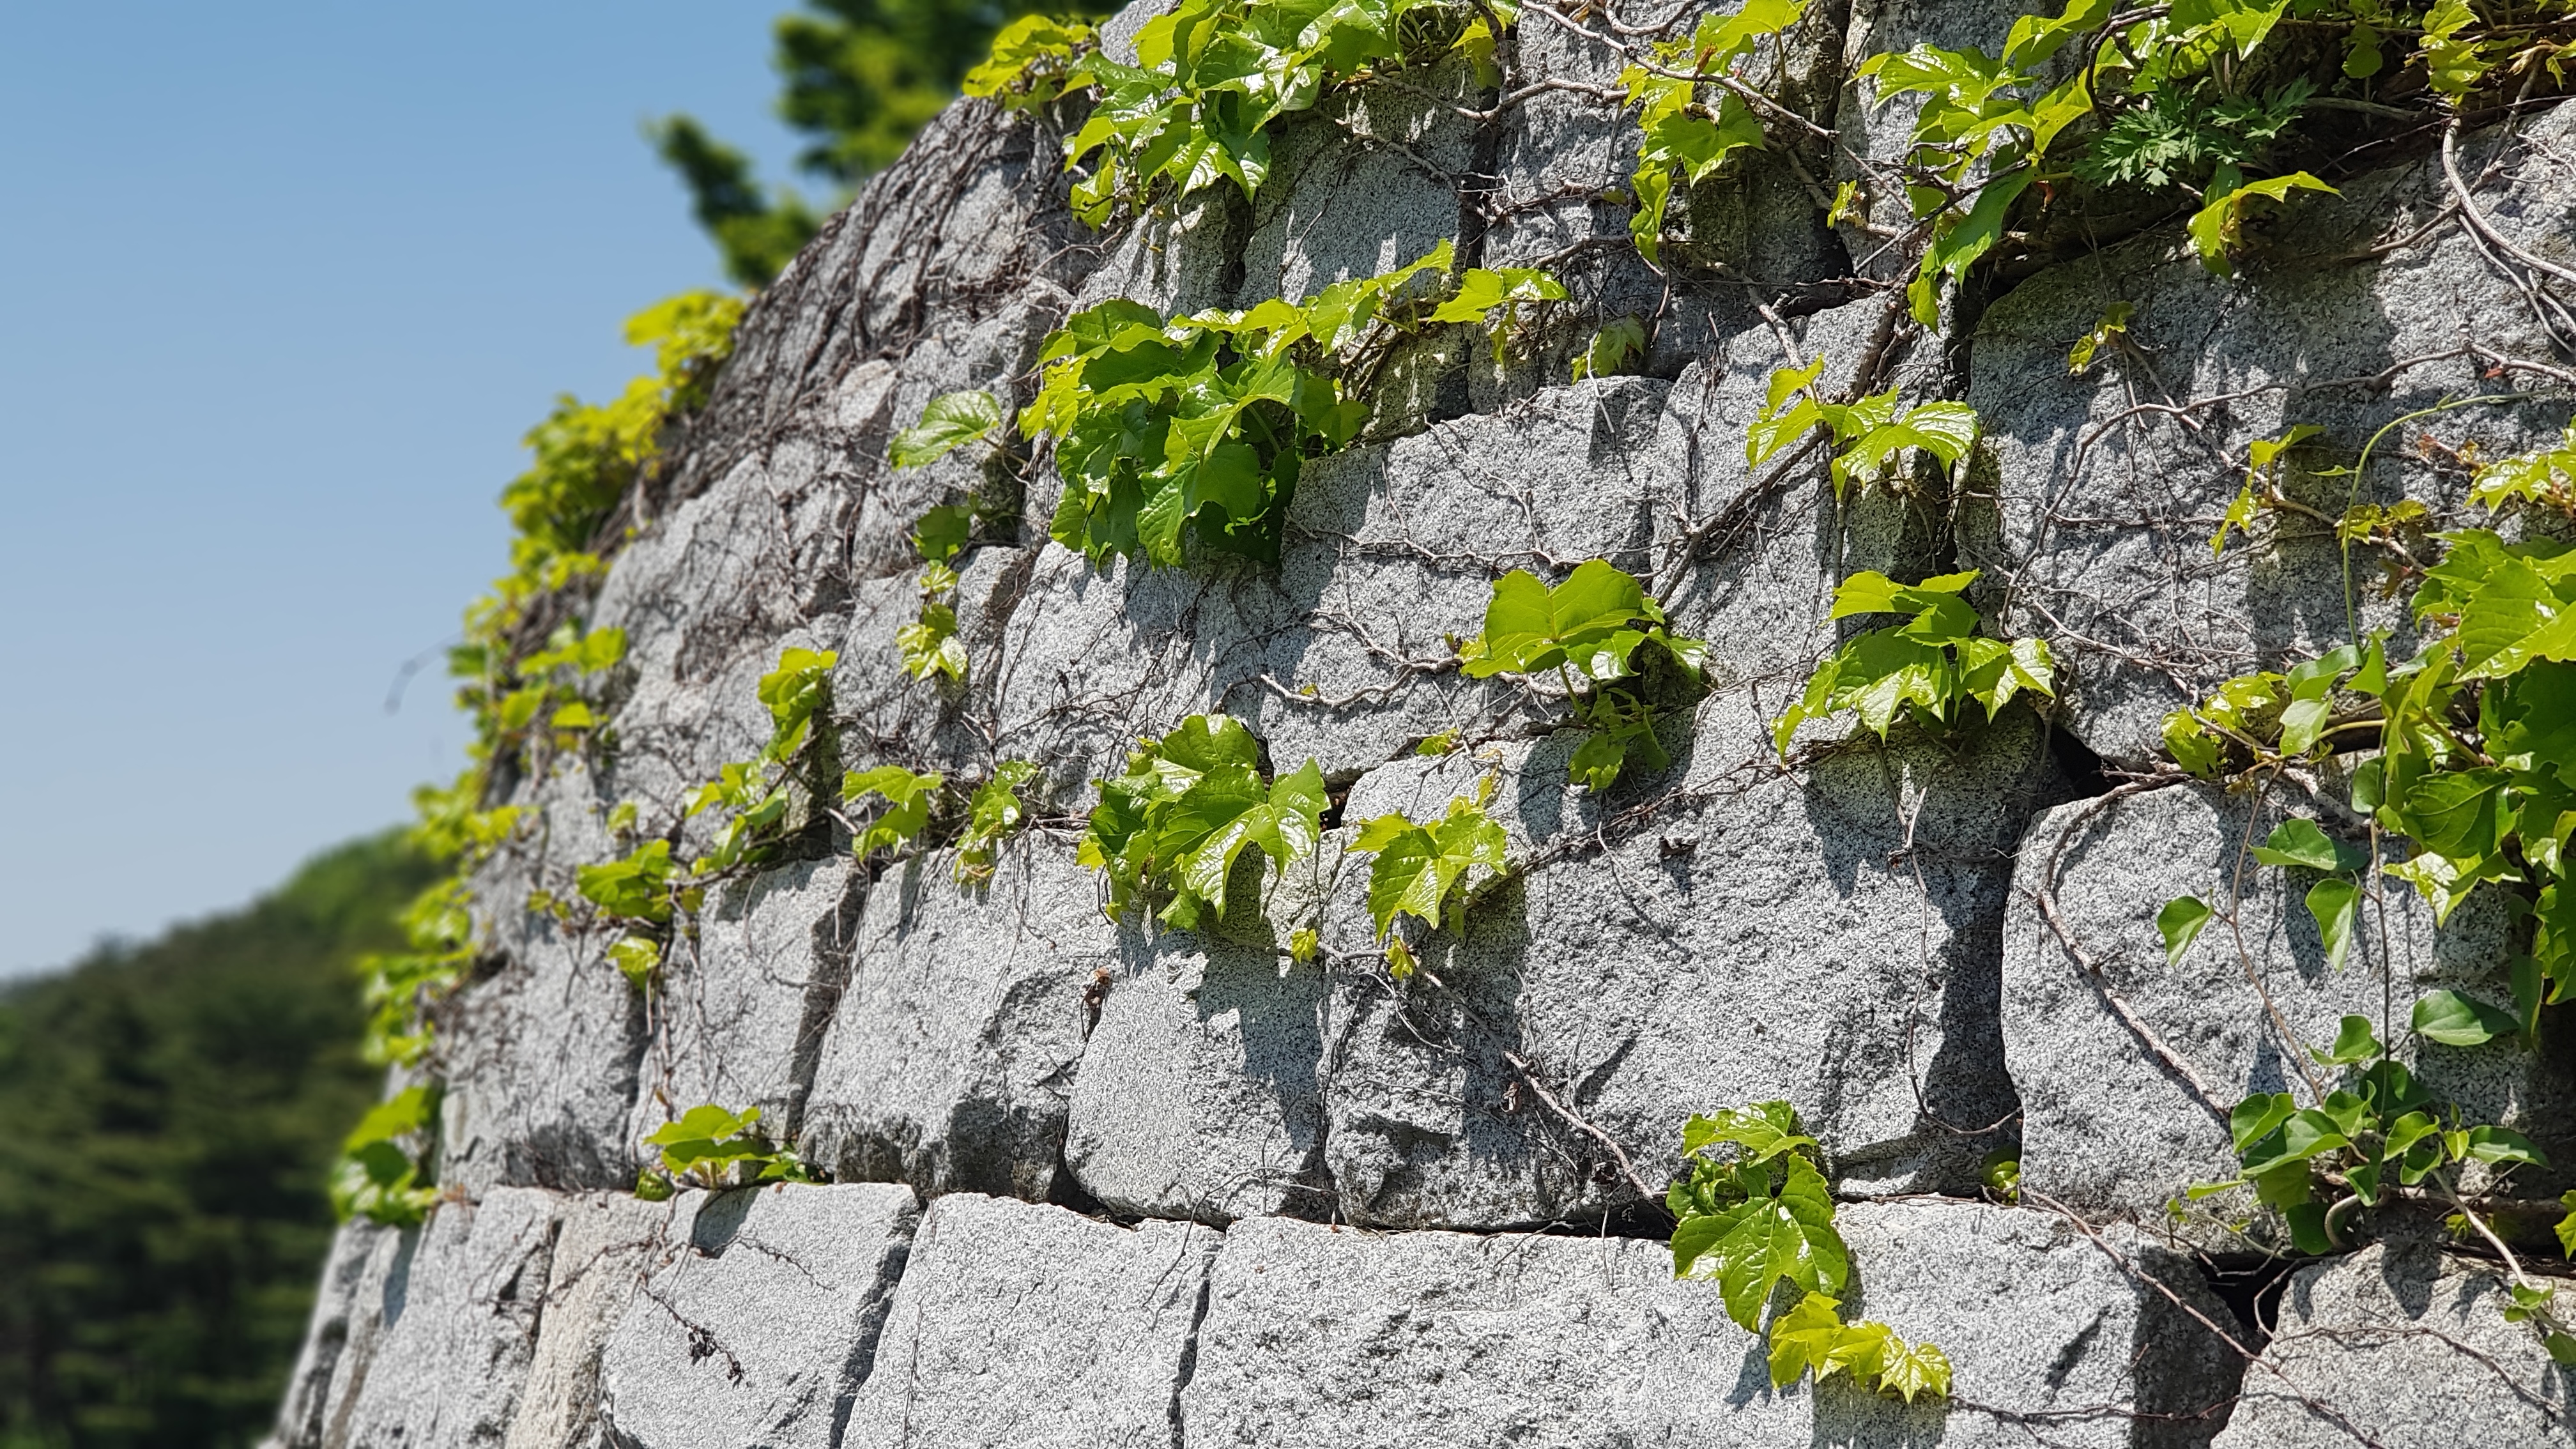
[[948, 423], [1420, 865]]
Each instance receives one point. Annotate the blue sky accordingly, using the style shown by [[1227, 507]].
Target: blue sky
[[288, 282]]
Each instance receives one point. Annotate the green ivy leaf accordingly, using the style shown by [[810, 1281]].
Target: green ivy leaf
[[2354, 1042], [1773, 1236], [947, 424], [2454, 1019], [1812, 1336], [636, 958], [1764, 1130], [635, 888], [991, 815], [2335, 902], [2298, 842], [1530, 626], [2217, 227], [1915, 1368], [1224, 817], [907, 798], [1418, 866], [1610, 349], [2180, 923], [941, 532], [2503, 1145], [2258, 1117]]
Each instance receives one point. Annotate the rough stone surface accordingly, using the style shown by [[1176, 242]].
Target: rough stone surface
[[2108, 1124], [950, 1060], [742, 1009], [2406, 1344], [340, 1336], [1321, 1336], [600, 1256], [1094, 1325], [539, 1053], [756, 1322], [1200, 1094], [2104, 508], [457, 1309], [1772, 935], [1853, 928]]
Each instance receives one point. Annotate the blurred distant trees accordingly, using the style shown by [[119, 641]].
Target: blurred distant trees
[[167, 1114], [858, 78]]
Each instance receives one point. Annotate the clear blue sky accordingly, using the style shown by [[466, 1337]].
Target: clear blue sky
[[288, 282]]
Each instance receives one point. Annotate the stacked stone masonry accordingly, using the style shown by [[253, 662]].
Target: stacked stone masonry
[[1105, 1184]]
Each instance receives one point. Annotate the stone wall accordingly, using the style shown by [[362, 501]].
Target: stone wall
[[1104, 1185]]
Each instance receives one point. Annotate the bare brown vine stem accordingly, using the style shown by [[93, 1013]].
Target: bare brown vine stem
[[2046, 897], [2291, 1045], [1538, 1088], [2322, 1410]]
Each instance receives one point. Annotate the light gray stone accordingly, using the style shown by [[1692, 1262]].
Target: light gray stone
[[540, 1056], [1197, 1092], [1200, 1093], [2109, 1126], [1825, 936], [457, 1327], [742, 1009], [951, 1056], [2406, 1345], [1096, 659], [1094, 1324], [2103, 507], [600, 1255], [1395, 549], [339, 1339], [1747, 559], [1366, 183], [944, 236], [1315, 1335], [756, 1323]]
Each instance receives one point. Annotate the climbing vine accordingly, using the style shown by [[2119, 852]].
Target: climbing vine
[[709, 1147], [1605, 641], [1183, 435], [1928, 670], [384, 1168], [1430, 870], [2461, 750], [1212, 75], [1189, 804], [1198, 426], [1761, 1217]]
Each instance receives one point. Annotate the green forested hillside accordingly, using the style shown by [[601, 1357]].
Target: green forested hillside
[[167, 1112]]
